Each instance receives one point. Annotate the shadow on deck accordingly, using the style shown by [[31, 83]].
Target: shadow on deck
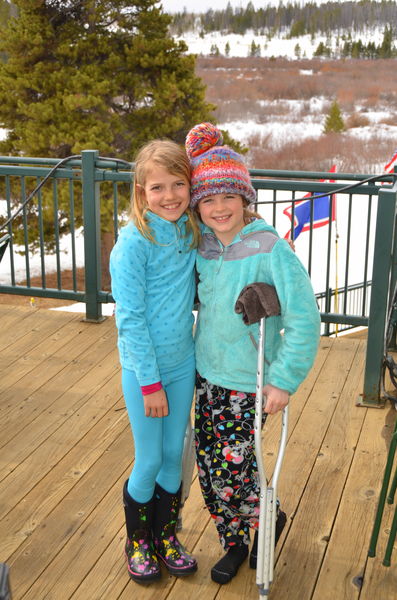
[[66, 449]]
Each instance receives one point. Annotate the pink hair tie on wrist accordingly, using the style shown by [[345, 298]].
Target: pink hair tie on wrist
[[150, 389]]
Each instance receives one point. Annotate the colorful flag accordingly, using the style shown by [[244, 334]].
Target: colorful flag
[[389, 168], [323, 208]]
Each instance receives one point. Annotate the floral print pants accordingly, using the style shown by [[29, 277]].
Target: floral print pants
[[226, 462]]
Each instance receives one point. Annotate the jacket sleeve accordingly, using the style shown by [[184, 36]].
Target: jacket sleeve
[[300, 319], [128, 263]]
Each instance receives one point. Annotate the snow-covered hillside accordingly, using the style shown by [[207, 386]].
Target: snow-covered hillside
[[240, 45]]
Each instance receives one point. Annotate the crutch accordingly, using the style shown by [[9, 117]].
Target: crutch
[[188, 461], [257, 302]]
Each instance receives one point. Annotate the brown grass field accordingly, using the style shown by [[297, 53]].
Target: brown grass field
[[242, 88]]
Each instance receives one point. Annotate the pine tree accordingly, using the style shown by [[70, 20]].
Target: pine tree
[[104, 74], [386, 48], [7, 9], [255, 49], [214, 50], [334, 121], [101, 74]]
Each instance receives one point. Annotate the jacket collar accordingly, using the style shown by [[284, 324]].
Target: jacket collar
[[255, 225], [156, 219]]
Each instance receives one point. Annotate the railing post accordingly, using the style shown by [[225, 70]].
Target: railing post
[[92, 237], [393, 278], [383, 249], [328, 297]]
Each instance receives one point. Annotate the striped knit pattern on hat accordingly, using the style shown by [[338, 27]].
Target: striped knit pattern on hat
[[216, 169]]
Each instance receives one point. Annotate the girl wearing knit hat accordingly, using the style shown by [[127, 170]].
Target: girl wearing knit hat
[[153, 284], [238, 248]]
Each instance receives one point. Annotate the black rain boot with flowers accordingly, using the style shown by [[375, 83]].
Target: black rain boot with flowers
[[166, 508], [142, 562]]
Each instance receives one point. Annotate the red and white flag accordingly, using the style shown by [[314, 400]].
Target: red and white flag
[[389, 168], [307, 214]]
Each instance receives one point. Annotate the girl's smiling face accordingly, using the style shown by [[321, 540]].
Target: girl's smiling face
[[165, 194], [224, 214]]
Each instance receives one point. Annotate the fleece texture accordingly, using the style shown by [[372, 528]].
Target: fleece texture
[[153, 285], [225, 353]]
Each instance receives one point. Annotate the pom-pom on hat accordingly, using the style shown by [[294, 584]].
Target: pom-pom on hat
[[216, 169]]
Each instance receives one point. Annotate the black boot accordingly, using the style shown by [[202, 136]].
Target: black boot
[[142, 562], [226, 568], [166, 508], [280, 524]]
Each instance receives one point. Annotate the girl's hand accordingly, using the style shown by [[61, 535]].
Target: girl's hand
[[156, 404], [276, 399]]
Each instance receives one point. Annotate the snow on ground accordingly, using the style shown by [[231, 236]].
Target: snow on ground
[[79, 307], [295, 107], [281, 131], [368, 132], [240, 45], [35, 260]]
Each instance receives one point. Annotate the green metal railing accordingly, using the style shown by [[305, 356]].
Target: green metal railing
[[88, 195]]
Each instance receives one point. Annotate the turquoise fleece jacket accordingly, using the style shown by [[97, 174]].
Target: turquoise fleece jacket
[[225, 353], [153, 285]]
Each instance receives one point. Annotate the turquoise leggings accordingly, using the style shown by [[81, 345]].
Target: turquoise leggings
[[159, 440]]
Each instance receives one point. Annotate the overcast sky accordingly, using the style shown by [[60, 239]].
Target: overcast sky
[[204, 5]]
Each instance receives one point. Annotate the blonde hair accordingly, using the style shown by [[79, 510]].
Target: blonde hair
[[173, 158]]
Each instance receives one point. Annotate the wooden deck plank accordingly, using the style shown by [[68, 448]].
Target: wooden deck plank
[[360, 499], [346, 558], [11, 314], [16, 324], [33, 348], [36, 391], [52, 485], [55, 531], [23, 445], [46, 456], [62, 530], [313, 523]]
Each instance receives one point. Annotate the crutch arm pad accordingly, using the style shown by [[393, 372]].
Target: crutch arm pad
[[257, 300]]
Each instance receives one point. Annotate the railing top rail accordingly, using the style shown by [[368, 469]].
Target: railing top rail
[[100, 163], [312, 186], [327, 175], [39, 171], [122, 165]]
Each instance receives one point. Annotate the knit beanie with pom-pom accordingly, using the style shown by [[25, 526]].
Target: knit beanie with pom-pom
[[215, 169]]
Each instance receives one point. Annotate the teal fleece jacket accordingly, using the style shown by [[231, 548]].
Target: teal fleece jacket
[[225, 353], [153, 285]]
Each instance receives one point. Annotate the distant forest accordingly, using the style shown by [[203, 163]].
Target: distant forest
[[295, 18], [343, 20]]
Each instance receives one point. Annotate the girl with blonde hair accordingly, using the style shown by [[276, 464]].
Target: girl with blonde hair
[[153, 284]]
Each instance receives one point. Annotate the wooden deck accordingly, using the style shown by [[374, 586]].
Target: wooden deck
[[66, 449]]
